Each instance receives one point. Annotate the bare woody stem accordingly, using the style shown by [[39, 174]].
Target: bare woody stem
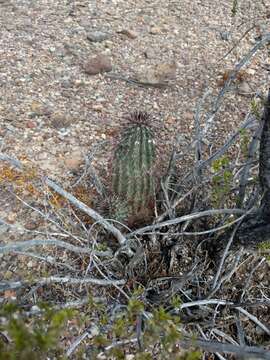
[[87, 210]]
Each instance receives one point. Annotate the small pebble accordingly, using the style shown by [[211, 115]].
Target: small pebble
[[99, 64], [97, 36]]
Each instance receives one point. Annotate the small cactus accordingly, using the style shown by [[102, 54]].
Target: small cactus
[[132, 176], [118, 209]]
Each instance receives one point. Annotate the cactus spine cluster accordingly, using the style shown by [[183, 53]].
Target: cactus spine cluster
[[132, 177]]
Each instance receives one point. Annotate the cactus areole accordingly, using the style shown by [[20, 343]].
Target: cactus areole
[[133, 183]]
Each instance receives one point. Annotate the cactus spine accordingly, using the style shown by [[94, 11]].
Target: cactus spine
[[132, 178]]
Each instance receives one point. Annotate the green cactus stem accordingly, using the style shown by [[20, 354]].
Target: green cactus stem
[[132, 179]]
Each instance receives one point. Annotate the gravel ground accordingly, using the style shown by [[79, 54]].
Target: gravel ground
[[52, 111]]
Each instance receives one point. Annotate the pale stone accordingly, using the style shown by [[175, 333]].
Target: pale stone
[[97, 36], [129, 33], [74, 161], [99, 64], [157, 75]]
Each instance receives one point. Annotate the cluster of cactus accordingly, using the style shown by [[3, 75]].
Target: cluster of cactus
[[133, 185]]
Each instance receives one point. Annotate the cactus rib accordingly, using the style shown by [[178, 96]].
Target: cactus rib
[[132, 178]]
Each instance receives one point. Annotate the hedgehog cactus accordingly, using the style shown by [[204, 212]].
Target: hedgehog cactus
[[132, 179]]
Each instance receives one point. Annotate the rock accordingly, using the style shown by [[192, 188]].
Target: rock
[[33, 221], [159, 74], [251, 72], [79, 82], [129, 33], [99, 64], [11, 217], [155, 105], [31, 124], [155, 30], [188, 116], [97, 107], [59, 120], [62, 133], [225, 35], [10, 116], [40, 109], [32, 225], [66, 83], [167, 71], [42, 156], [244, 89], [51, 167], [149, 54], [170, 120], [74, 161], [97, 36]]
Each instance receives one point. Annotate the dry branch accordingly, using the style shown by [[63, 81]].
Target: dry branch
[[245, 170], [189, 217], [5, 285], [87, 210], [22, 245], [248, 352], [265, 40]]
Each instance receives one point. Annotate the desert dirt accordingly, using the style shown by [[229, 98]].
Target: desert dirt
[[57, 104], [53, 113]]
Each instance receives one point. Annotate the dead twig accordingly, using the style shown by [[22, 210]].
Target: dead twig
[[265, 39], [245, 171], [225, 253], [87, 210], [22, 245], [184, 218], [90, 212], [11, 160], [250, 277], [254, 319], [197, 233], [237, 43], [249, 119], [48, 259], [249, 352], [61, 280], [89, 333]]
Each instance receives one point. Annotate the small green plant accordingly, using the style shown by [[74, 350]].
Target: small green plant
[[176, 301], [256, 108], [264, 248], [244, 141], [39, 337], [234, 7], [222, 180], [162, 330], [32, 340]]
